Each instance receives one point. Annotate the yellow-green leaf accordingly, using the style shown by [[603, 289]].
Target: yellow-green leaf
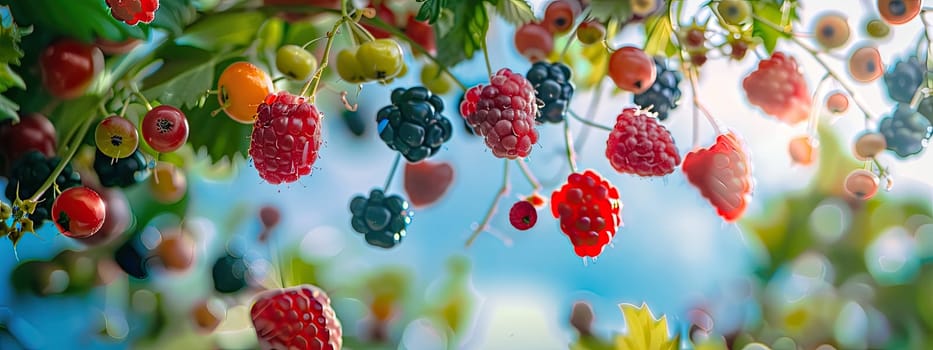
[[644, 332], [517, 12], [658, 41]]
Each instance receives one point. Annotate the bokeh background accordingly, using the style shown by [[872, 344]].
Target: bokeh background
[[673, 253]]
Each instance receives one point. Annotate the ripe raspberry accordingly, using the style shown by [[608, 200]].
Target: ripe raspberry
[[553, 84], [382, 220], [665, 93], [906, 131], [122, 172], [639, 145], [504, 113], [903, 80], [723, 175], [286, 138], [778, 88], [296, 318], [29, 172], [413, 124], [133, 11], [523, 215], [589, 210]]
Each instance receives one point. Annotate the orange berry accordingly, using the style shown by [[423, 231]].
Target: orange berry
[[241, 89], [865, 64], [534, 41], [559, 16], [869, 145], [861, 184], [837, 103], [632, 70], [832, 31], [802, 150], [167, 183], [898, 11]]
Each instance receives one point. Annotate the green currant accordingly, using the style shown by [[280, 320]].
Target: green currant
[[116, 137], [295, 62], [349, 68], [877, 29], [434, 79], [380, 59], [734, 12]]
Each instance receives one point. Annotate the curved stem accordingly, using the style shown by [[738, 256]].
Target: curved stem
[[700, 106], [569, 148], [812, 122], [316, 79], [588, 122], [486, 57], [492, 209], [530, 176], [590, 115], [398, 159], [72, 150]]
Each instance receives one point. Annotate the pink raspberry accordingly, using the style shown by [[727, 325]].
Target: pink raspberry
[[778, 88], [504, 113], [296, 318], [723, 175], [639, 145], [286, 138], [133, 11]]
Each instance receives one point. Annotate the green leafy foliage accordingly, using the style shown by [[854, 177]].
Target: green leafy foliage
[[10, 53], [174, 15], [605, 10], [467, 34], [8, 109], [186, 74], [431, 10], [219, 135], [83, 20], [659, 31], [773, 12], [223, 30], [517, 12]]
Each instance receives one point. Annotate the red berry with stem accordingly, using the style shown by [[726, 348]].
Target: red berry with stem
[[861, 184], [837, 103], [640, 145], [523, 215], [68, 67], [589, 211], [165, 128], [79, 212], [34, 132], [117, 219], [296, 318], [504, 113], [559, 16], [632, 70], [286, 138], [133, 11], [270, 216], [723, 175], [534, 41], [779, 89]]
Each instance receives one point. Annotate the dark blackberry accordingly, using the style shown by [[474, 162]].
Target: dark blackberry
[[382, 220], [354, 122], [132, 256], [229, 273], [926, 108], [665, 93], [122, 172], [413, 124], [553, 84], [904, 79], [29, 173], [906, 131]]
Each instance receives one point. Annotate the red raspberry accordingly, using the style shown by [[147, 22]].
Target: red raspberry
[[523, 215], [589, 210], [286, 138], [778, 88], [723, 175], [504, 113], [296, 318], [639, 145], [133, 11]]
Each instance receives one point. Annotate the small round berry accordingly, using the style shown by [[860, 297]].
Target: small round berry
[[559, 16], [738, 49], [837, 103], [734, 12], [644, 8], [632, 70], [436, 80], [898, 11], [591, 32], [176, 250], [877, 29], [380, 59], [230, 274], [802, 150], [270, 216], [869, 145], [68, 67], [208, 315], [426, 182], [295, 62], [241, 87], [832, 30], [165, 128], [117, 219], [167, 183], [79, 212], [865, 64], [862, 184], [534, 41], [523, 215], [348, 67], [693, 38], [34, 132], [116, 137]]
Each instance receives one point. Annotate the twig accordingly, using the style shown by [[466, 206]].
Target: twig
[[536, 186], [587, 122], [398, 158], [567, 145], [492, 209]]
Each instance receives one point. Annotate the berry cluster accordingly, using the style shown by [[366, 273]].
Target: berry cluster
[[906, 131], [779, 89], [589, 211], [413, 124], [27, 175], [123, 172], [664, 95], [379, 60], [382, 219], [503, 112], [553, 84], [640, 145], [286, 138]]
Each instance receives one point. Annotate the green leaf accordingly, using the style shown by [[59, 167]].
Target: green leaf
[[174, 16], [467, 35], [84, 20], [8, 110], [9, 78], [223, 30], [659, 31], [431, 10], [219, 135], [10, 37], [517, 12], [770, 11], [605, 10]]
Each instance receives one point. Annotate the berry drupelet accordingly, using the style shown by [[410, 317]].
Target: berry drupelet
[[413, 124], [553, 84], [664, 94]]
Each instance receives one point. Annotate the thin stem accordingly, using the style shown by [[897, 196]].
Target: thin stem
[[398, 159], [316, 80], [590, 115], [812, 121], [567, 142], [72, 150], [486, 57], [699, 104], [926, 34], [492, 209], [536, 186], [588, 122], [141, 97]]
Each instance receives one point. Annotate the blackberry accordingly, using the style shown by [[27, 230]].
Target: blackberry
[[926, 108], [354, 122], [906, 131], [382, 220], [554, 87], [413, 124], [665, 93], [122, 172], [132, 256], [229, 273], [29, 173], [904, 79]]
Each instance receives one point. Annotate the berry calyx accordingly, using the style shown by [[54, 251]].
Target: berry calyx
[[639, 145], [78, 212], [165, 128], [664, 95], [116, 137], [383, 220], [133, 11], [68, 67], [523, 215], [553, 84], [426, 182], [298, 317], [413, 124], [632, 70], [534, 41], [589, 211], [779, 89], [861, 184], [591, 32], [242, 86], [286, 138], [723, 175], [734, 12], [504, 113], [295, 62], [837, 103]]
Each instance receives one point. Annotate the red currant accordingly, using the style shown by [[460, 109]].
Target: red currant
[[559, 16], [165, 128], [837, 103], [591, 32], [865, 64], [68, 67], [898, 11], [862, 184], [832, 30], [116, 137], [167, 183], [534, 41], [632, 70], [79, 212], [116, 221], [523, 215]]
